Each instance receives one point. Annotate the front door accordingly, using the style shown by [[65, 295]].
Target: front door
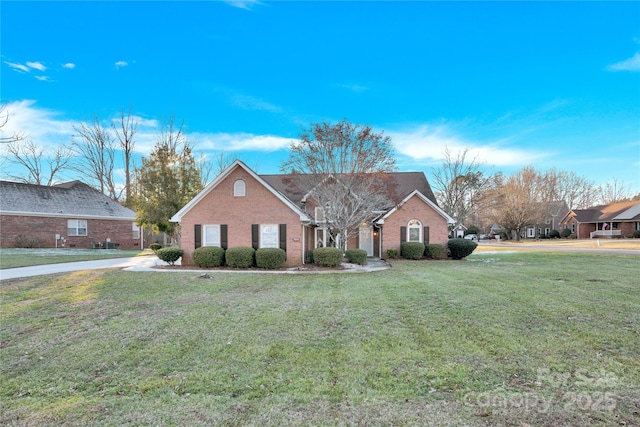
[[366, 239]]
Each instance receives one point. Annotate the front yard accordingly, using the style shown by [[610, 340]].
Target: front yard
[[19, 257], [515, 339]]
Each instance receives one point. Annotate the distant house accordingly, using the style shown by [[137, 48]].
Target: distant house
[[605, 221], [458, 230], [550, 217], [71, 214], [242, 208]]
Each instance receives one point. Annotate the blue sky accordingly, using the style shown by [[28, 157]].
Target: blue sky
[[518, 83]]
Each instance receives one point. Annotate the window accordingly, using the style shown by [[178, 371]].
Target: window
[[239, 188], [211, 235], [76, 227], [269, 236], [135, 231], [319, 212], [573, 227], [414, 231]]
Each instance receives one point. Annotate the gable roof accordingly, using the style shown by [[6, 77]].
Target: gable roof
[[69, 199], [621, 211], [425, 199], [213, 184]]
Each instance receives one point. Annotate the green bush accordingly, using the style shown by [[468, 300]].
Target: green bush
[[565, 233], [460, 248], [170, 254], [472, 230], [554, 234], [240, 257], [327, 257], [270, 258], [392, 253], [356, 256], [435, 251], [155, 246], [208, 256], [412, 250], [636, 234]]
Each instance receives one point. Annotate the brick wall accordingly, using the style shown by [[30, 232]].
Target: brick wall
[[414, 208], [258, 206], [46, 228]]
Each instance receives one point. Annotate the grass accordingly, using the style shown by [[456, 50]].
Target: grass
[[511, 339], [11, 258]]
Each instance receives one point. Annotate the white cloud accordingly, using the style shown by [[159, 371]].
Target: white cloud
[[240, 142], [43, 78], [427, 143], [247, 102], [69, 65], [44, 126], [36, 66], [631, 64], [17, 67], [243, 4], [121, 64]]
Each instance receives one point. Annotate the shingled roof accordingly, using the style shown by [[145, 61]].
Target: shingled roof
[[73, 198], [621, 211]]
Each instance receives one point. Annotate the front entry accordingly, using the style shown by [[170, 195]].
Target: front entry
[[366, 239]]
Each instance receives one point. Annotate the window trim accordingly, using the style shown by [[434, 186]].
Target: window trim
[[77, 227], [204, 235], [239, 188], [276, 240], [412, 227]]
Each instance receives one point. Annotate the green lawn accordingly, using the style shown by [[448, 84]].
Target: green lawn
[[516, 339], [11, 258]]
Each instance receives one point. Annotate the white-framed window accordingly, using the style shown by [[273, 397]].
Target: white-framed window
[[211, 235], [414, 231], [269, 234], [319, 214], [135, 231], [573, 227], [239, 188], [76, 227]]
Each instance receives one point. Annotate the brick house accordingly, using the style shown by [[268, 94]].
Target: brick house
[[242, 208], [71, 214], [605, 221]]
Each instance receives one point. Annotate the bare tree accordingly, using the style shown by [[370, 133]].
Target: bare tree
[[125, 129], [342, 167], [4, 119], [578, 192], [458, 184], [613, 191], [42, 167], [96, 149]]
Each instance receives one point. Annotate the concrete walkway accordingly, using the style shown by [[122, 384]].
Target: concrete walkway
[[150, 263]]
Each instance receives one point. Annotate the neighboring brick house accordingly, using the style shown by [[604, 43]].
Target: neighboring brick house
[[71, 214], [605, 221], [242, 208]]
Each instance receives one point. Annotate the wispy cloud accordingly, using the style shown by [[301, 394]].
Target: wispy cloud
[[36, 65], [241, 142], [354, 87], [18, 67], [631, 64], [243, 4], [121, 64], [69, 65], [43, 78], [248, 102], [44, 126]]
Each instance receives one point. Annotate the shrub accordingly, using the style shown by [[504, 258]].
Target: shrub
[[240, 257], [155, 246], [460, 248], [392, 253], [327, 257], [565, 233], [435, 251], [356, 256], [412, 250], [270, 258], [472, 230], [208, 256], [310, 257], [170, 254], [554, 234], [636, 234], [28, 242]]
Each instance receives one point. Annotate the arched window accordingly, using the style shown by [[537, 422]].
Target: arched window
[[414, 231], [239, 188]]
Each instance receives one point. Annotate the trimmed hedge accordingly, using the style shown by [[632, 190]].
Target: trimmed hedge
[[155, 246], [460, 248], [240, 257], [356, 256], [392, 253], [554, 234], [208, 256], [636, 234], [170, 254], [327, 257], [435, 251], [565, 233], [412, 250], [270, 258]]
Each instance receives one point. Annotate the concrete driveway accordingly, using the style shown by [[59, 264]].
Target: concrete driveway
[[39, 270]]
